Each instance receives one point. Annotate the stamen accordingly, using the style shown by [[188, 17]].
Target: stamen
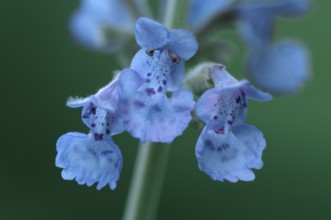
[[150, 52]]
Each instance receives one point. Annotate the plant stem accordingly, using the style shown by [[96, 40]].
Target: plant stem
[[150, 166], [147, 182], [176, 12]]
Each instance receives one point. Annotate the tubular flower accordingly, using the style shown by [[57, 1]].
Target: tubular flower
[[93, 157], [228, 148], [156, 72]]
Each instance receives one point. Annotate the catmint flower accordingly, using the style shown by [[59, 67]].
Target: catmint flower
[[101, 24], [228, 148], [156, 72], [258, 32], [276, 67], [280, 68], [93, 157]]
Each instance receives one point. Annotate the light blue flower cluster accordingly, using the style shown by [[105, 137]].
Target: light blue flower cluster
[[136, 101], [148, 101], [227, 147]]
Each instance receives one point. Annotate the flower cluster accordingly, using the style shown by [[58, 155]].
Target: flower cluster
[[147, 100], [136, 101]]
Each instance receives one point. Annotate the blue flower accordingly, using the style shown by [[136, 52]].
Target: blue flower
[[280, 68], [95, 20], [258, 32], [227, 147], [93, 157], [156, 72]]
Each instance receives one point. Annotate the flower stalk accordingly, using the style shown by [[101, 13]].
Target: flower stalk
[[147, 182], [150, 167]]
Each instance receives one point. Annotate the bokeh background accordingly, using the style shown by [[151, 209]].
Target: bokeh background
[[40, 67]]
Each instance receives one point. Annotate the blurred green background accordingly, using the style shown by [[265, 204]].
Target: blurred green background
[[41, 67]]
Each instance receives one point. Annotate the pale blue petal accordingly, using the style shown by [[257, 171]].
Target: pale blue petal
[[282, 68], [88, 161], [182, 43], [255, 94], [253, 139], [110, 13], [153, 116], [202, 12], [95, 18], [86, 30], [150, 34], [230, 156], [76, 102], [159, 69], [108, 96], [255, 31], [221, 77]]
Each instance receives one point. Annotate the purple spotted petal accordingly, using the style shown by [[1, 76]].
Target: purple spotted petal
[[226, 104], [159, 69], [147, 112], [88, 161], [150, 34], [202, 12], [230, 156], [182, 43], [100, 111], [282, 68]]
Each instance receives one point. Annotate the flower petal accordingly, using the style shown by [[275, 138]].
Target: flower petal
[[86, 30], [254, 30], [282, 68], [221, 77], [153, 117], [88, 161], [182, 43], [255, 94], [112, 14], [230, 156], [159, 69], [108, 96], [150, 34], [225, 104]]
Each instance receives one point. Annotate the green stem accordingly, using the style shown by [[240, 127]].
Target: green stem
[[150, 167], [146, 185], [176, 12]]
